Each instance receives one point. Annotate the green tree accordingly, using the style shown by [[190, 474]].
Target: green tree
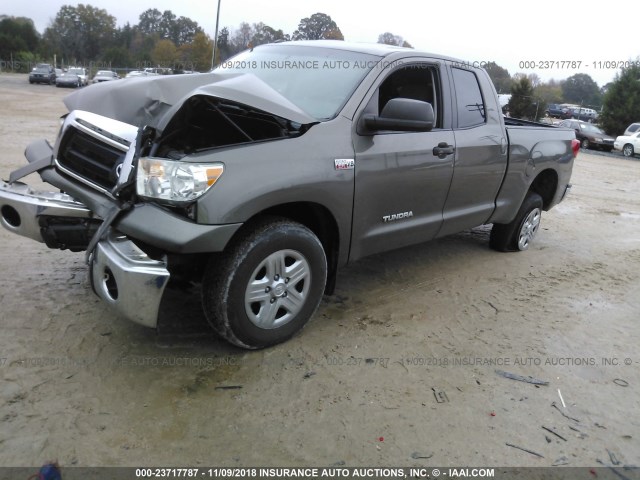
[[184, 31], [499, 76], [621, 103], [81, 33], [581, 89], [523, 103], [124, 36], [117, 57], [149, 22], [549, 92], [317, 27], [17, 34], [167, 26], [141, 47], [266, 34], [223, 45]]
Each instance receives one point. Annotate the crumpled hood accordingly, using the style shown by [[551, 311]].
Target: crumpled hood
[[149, 100]]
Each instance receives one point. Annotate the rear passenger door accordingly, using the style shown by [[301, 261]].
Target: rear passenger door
[[481, 152], [402, 178]]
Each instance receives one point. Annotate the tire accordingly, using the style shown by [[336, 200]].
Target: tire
[[627, 150], [517, 235], [584, 143], [266, 286]]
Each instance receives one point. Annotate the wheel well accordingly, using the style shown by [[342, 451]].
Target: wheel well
[[320, 221], [546, 185]]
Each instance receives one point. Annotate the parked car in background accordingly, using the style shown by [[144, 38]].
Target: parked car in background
[[158, 71], [629, 145], [43, 73], [584, 114], [69, 80], [149, 72], [555, 110], [59, 72], [136, 73], [631, 129], [81, 73], [589, 135], [105, 76]]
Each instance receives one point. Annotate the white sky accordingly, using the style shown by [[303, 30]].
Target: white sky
[[493, 30]]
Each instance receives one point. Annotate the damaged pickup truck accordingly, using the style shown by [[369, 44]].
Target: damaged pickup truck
[[257, 181]]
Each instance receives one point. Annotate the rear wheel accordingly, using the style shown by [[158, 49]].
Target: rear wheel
[[267, 284], [584, 143], [517, 235], [627, 150]]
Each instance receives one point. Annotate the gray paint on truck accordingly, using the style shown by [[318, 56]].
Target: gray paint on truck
[[360, 192]]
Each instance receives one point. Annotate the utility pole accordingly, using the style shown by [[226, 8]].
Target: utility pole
[[215, 38]]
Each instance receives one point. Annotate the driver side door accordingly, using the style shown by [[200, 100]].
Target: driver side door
[[402, 178]]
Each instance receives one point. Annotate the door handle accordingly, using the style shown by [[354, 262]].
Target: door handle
[[443, 149]]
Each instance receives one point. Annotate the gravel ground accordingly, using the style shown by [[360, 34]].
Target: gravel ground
[[398, 368]]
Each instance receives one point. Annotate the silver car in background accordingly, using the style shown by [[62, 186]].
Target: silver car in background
[[105, 76]]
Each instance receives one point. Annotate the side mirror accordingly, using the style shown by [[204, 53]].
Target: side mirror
[[402, 115]]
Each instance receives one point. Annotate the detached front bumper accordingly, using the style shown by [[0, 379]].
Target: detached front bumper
[[127, 279], [121, 273], [23, 209]]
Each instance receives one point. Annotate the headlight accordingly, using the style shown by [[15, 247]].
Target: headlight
[[174, 181]]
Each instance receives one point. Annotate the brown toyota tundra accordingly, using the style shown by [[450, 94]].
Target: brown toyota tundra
[[257, 181]]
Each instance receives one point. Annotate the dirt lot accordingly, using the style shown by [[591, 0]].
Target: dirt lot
[[397, 369]]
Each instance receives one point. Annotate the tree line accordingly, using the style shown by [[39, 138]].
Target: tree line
[[82, 34]]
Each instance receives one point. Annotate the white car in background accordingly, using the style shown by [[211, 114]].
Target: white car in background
[[81, 73], [631, 129], [629, 145]]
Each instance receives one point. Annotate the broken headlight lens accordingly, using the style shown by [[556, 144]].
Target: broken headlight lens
[[174, 181]]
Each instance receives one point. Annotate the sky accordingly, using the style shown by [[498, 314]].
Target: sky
[[527, 37]]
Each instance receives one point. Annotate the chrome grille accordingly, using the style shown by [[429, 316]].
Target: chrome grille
[[90, 158]]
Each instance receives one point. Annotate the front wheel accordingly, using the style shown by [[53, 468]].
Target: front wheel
[[627, 150], [517, 235], [267, 285]]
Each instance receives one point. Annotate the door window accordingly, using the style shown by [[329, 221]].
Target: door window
[[470, 105], [416, 81]]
